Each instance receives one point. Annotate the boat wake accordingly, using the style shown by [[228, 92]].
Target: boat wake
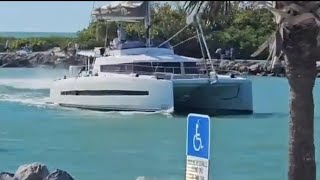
[[27, 83], [35, 92], [25, 91]]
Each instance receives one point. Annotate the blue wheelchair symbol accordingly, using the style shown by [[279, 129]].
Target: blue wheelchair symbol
[[198, 136]]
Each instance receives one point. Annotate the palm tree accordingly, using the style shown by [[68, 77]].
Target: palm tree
[[296, 37]]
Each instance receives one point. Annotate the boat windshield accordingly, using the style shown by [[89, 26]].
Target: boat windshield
[[148, 68]]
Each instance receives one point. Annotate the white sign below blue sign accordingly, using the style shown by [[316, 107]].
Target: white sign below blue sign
[[198, 147]]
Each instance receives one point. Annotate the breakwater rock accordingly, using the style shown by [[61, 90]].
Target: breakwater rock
[[35, 171], [250, 67], [253, 67], [56, 59], [51, 58]]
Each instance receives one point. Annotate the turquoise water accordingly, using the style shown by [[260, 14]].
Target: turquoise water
[[123, 146], [36, 34]]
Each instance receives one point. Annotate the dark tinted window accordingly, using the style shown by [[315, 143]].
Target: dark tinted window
[[105, 93], [191, 68], [116, 68], [169, 67], [142, 67]]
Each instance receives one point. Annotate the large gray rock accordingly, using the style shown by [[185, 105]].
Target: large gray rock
[[231, 64], [6, 176], [59, 175], [243, 68], [223, 64], [255, 68], [33, 171]]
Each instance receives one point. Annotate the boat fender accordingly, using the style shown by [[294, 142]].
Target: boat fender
[[232, 75]]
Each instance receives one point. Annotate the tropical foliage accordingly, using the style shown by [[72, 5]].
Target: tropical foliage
[[37, 44], [244, 29]]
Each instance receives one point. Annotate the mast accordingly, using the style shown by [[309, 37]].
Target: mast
[[194, 17], [147, 23], [204, 41], [106, 37]]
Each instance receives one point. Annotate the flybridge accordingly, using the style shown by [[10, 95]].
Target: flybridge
[[126, 11]]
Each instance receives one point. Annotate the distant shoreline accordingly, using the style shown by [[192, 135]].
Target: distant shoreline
[[37, 34]]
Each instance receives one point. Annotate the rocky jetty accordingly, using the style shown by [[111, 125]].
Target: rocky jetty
[[35, 171], [249, 67], [52, 58], [252, 67], [55, 58]]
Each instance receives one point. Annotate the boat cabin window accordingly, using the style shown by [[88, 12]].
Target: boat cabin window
[[144, 67], [168, 67], [116, 68], [191, 68], [141, 67]]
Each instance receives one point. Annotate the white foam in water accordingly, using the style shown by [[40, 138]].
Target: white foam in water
[[27, 83], [23, 99], [145, 178], [138, 112], [45, 83]]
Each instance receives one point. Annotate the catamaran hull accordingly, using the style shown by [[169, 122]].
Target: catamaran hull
[[126, 93], [225, 97], [114, 94]]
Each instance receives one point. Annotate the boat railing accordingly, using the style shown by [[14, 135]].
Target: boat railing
[[161, 72], [166, 72]]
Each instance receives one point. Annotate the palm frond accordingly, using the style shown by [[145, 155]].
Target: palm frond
[[264, 45], [286, 13], [213, 7]]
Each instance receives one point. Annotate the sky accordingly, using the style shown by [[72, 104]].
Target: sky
[[46, 16]]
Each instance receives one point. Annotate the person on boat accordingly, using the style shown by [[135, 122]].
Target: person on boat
[[121, 35], [102, 51], [82, 69], [91, 60]]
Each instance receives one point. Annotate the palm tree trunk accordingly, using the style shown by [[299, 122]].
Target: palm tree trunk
[[301, 53], [301, 143]]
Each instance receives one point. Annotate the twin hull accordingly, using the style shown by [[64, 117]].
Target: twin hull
[[227, 96], [113, 94], [224, 97]]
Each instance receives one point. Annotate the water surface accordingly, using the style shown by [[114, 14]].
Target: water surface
[[125, 145]]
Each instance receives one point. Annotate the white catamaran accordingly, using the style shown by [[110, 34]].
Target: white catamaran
[[149, 76]]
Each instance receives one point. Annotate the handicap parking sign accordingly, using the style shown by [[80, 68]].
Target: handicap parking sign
[[198, 136]]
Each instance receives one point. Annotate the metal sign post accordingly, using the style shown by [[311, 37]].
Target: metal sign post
[[198, 147]]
